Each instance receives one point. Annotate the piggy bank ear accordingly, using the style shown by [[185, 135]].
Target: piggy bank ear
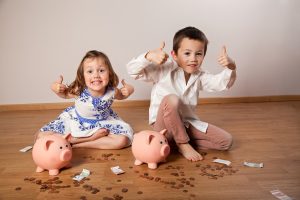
[[163, 132], [68, 137], [150, 138], [47, 144]]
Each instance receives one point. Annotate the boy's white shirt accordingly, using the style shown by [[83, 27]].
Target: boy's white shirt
[[168, 78]]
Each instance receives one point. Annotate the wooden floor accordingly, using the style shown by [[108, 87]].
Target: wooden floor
[[263, 132]]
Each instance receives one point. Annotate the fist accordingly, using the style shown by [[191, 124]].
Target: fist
[[157, 56], [127, 89], [58, 87], [225, 60]]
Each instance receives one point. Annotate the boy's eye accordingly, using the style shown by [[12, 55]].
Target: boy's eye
[[199, 54], [187, 53]]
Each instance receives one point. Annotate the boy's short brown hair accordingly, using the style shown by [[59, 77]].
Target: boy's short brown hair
[[191, 33]]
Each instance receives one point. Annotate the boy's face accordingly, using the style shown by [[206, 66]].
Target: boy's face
[[189, 55]]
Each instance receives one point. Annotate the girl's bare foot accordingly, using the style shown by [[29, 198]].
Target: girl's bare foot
[[99, 134], [189, 152]]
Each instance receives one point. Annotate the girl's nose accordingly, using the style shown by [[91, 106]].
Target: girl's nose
[[96, 75]]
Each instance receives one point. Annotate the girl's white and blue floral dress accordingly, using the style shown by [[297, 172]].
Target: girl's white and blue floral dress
[[88, 115]]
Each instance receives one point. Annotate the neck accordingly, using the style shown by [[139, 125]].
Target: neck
[[187, 77]]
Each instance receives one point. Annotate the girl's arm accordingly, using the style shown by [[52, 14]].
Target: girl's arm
[[124, 92]]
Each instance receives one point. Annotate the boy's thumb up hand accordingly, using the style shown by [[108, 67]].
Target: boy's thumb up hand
[[162, 45], [224, 51]]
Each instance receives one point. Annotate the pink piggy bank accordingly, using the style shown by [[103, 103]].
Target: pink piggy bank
[[150, 147], [52, 152]]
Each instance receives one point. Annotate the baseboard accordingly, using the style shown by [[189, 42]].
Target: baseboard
[[146, 103]]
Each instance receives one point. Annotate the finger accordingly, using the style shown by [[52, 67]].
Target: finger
[[162, 45], [224, 51], [123, 82], [60, 79], [124, 91]]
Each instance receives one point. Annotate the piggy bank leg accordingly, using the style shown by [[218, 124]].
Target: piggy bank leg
[[152, 165], [39, 169], [53, 172], [138, 162]]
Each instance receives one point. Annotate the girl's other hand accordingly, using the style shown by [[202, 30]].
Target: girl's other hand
[[127, 89], [157, 56], [58, 87]]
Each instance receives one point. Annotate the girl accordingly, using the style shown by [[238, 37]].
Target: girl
[[91, 121], [175, 91]]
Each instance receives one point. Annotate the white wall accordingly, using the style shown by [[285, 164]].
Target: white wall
[[40, 39]]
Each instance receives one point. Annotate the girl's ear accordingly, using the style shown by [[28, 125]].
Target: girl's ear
[[174, 55]]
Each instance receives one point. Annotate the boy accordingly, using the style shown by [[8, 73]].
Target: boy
[[175, 92]]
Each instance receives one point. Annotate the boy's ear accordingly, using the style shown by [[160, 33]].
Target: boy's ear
[[174, 56]]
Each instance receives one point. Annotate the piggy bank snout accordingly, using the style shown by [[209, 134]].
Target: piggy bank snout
[[66, 155], [165, 150]]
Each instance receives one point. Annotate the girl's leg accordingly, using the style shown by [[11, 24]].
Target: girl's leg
[[214, 138], [100, 133], [168, 117], [107, 142]]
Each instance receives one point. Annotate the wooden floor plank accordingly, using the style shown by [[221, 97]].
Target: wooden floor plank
[[263, 132]]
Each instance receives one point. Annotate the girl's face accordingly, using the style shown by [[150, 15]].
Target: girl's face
[[96, 76], [190, 55]]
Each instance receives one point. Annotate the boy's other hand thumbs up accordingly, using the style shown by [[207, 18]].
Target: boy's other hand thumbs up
[[158, 56]]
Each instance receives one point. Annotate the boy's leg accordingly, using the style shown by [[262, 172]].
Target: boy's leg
[[168, 117], [107, 142], [214, 138]]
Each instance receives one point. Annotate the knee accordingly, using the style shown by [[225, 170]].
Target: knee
[[122, 142], [171, 101]]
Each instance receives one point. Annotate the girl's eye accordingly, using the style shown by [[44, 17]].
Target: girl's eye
[[102, 70], [89, 71]]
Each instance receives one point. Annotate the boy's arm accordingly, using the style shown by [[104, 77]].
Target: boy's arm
[[60, 89], [223, 80], [226, 61], [124, 92], [146, 66]]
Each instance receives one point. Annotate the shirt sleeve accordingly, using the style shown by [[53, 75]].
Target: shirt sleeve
[[218, 82], [141, 69]]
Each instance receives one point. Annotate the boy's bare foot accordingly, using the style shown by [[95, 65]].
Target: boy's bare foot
[[189, 152], [99, 134]]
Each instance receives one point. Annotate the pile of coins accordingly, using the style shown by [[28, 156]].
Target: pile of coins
[[215, 171], [52, 185], [103, 157]]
